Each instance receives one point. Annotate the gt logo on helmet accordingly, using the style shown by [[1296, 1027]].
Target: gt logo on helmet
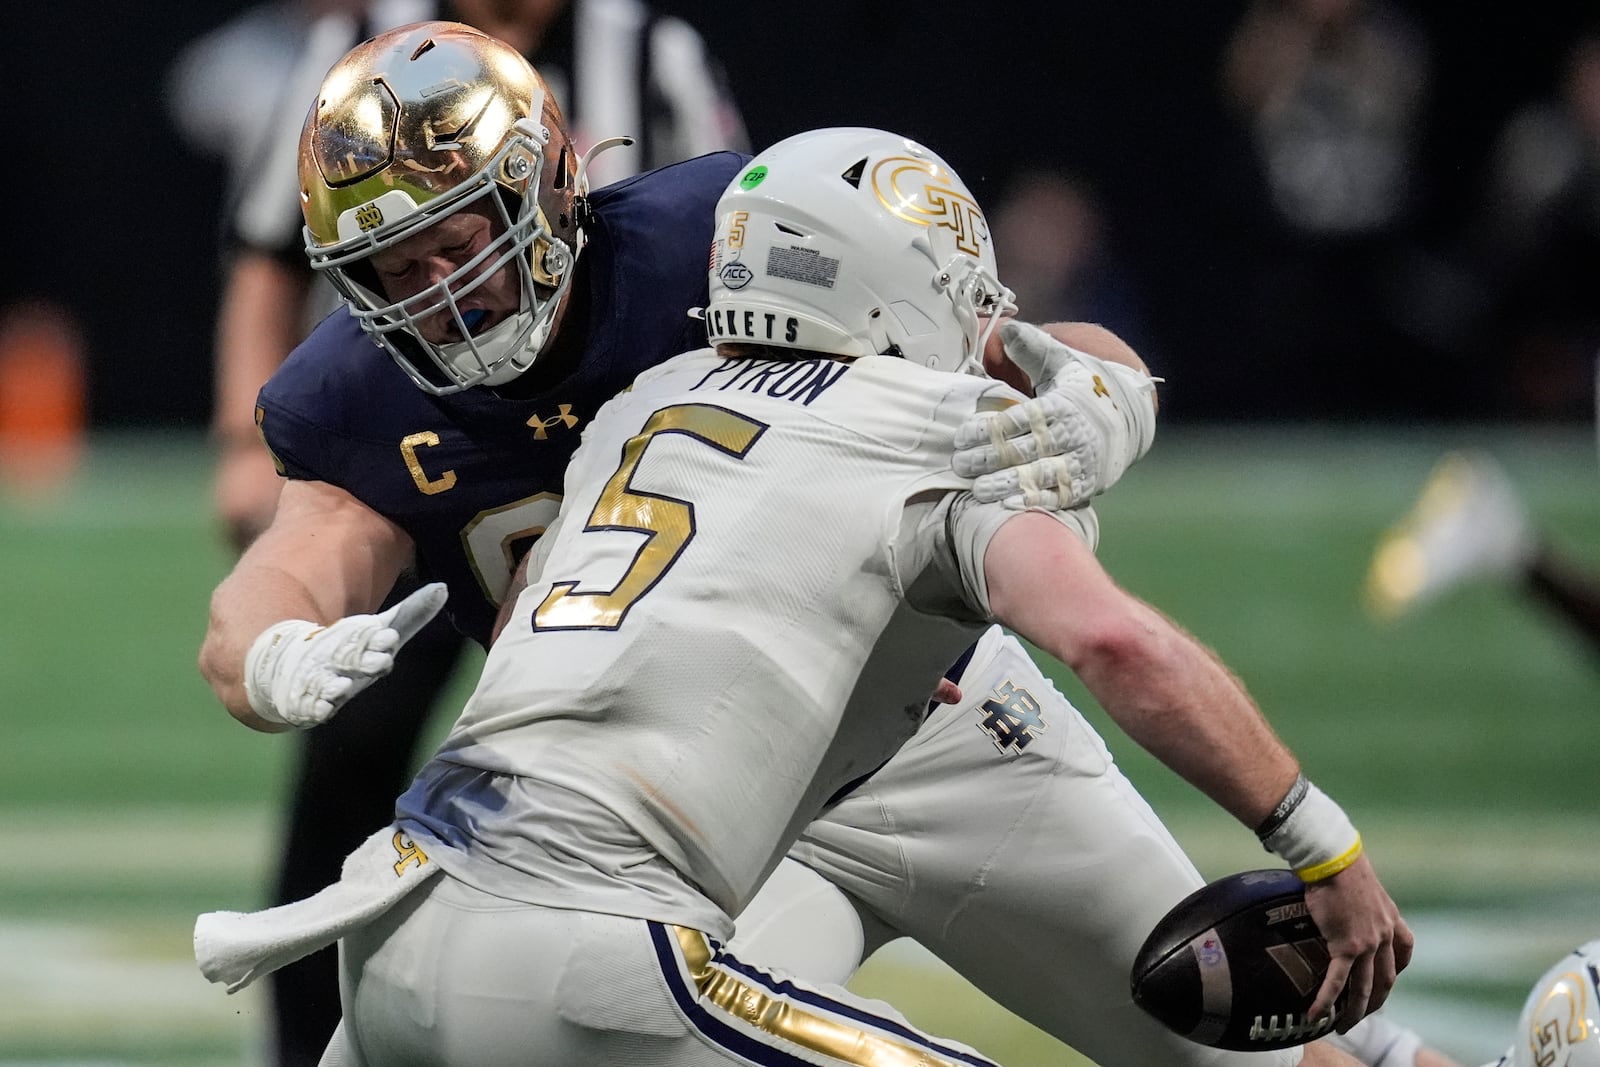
[[921, 192]]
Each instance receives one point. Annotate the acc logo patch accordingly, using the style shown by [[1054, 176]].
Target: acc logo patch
[[920, 191], [369, 217], [735, 275]]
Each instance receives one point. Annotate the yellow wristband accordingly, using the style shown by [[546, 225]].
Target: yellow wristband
[[1321, 871]]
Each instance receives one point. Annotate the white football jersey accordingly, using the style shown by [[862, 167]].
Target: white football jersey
[[760, 571]]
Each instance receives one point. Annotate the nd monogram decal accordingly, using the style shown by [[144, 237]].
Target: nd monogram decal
[[920, 191], [369, 217], [542, 427], [1011, 716]]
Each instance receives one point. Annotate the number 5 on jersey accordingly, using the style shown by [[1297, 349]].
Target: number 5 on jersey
[[666, 522]]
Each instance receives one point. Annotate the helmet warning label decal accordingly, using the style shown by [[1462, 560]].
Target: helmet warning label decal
[[805, 265]]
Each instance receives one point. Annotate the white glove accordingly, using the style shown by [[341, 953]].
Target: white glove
[[1088, 421], [300, 673]]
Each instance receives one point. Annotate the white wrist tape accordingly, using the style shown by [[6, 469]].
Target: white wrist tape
[[261, 664], [1314, 836]]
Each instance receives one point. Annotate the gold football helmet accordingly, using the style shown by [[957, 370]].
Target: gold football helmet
[[410, 127]]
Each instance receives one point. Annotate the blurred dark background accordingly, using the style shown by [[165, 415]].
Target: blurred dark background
[[1423, 309]]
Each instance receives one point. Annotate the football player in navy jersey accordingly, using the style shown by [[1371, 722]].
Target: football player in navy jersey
[[495, 305]]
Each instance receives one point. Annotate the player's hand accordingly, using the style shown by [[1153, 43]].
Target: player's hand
[[299, 673], [1088, 421], [1369, 944]]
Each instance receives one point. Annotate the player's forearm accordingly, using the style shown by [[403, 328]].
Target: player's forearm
[[1088, 337], [1098, 341], [247, 602], [1162, 686], [1174, 698], [325, 556]]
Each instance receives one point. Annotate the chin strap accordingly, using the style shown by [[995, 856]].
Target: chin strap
[[980, 300], [581, 211], [582, 182]]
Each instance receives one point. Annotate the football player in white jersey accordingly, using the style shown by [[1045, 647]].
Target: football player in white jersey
[[762, 565]]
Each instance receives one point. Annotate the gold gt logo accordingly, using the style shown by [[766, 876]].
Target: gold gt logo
[[408, 851], [921, 191], [369, 217]]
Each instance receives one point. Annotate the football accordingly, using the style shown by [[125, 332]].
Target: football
[[1235, 965]]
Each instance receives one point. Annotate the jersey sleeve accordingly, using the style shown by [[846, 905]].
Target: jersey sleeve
[[969, 527], [303, 411], [943, 541], [295, 443], [944, 531]]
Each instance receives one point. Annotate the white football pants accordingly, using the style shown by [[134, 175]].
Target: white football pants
[[454, 977], [1019, 855]]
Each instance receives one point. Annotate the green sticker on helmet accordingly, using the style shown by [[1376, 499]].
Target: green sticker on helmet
[[753, 177]]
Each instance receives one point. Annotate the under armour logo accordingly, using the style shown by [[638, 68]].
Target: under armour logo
[[1010, 717], [542, 427]]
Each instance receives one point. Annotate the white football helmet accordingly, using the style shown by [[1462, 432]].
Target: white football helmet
[[409, 128], [855, 242], [1560, 1022]]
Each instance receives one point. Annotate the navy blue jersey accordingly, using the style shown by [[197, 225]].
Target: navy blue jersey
[[475, 477]]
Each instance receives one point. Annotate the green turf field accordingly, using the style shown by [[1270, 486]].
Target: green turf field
[[1459, 739]]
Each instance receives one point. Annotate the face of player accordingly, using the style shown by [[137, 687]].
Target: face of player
[[428, 257]]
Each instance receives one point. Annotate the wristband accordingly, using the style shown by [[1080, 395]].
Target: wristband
[[1319, 872], [1286, 807], [261, 663], [1315, 837]]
